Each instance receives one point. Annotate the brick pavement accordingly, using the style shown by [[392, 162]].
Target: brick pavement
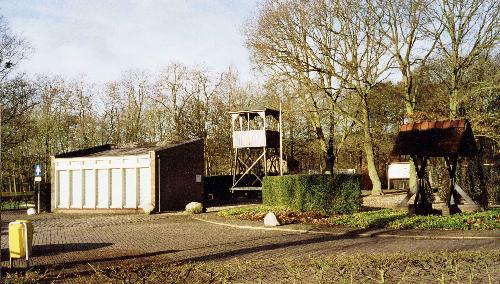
[[73, 240]]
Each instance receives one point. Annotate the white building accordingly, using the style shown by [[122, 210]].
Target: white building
[[108, 178]]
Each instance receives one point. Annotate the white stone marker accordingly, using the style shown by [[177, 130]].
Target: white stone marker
[[194, 207], [270, 220]]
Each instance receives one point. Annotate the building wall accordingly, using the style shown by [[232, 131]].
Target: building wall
[[52, 183], [153, 178], [179, 168]]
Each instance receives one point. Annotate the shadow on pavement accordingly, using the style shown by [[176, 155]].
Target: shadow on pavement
[[354, 234], [108, 259], [63, 248], [60, 267], [53, 249], [39, 250]]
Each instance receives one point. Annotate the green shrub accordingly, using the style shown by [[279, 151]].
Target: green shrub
[[480, 182], [326, 194], [492, 176]]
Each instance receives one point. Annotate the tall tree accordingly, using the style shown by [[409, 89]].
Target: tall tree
[[13, 49], [471, 29], [330, 48], [17, 97], [406, 24]]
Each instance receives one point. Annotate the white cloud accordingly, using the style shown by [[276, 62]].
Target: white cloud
[[104, 38]]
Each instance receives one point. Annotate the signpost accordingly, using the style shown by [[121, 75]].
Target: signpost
[[38, 179]]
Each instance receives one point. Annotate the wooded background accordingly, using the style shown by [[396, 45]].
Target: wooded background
[[349, 71]]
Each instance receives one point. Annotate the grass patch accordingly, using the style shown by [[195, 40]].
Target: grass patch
[[387, 218], [384, 218], [368, 219], [442, 267], [487, 220], [14, 205], [246, 210]]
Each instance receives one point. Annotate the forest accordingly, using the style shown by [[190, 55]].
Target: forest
[[347, 71]]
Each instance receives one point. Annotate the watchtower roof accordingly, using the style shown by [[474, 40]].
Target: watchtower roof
[[433, 138], [258, 109]]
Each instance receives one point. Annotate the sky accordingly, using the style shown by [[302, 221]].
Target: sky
[[103, 39]]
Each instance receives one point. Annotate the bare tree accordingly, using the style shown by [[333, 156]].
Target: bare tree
[[406, 25], [471, 29], [16, 99], [13, 49], [330, 48]]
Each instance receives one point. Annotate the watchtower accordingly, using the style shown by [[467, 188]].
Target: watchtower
[[256, 147]]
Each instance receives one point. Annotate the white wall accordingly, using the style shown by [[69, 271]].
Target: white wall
[[103, 182]]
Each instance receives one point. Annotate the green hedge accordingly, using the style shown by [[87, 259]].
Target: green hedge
[[327, 194]]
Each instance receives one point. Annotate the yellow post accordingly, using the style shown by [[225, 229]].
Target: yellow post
[[20, 240]]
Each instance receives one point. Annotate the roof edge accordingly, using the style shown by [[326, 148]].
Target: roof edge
[[433, 124], [176, 144], [85, 152]]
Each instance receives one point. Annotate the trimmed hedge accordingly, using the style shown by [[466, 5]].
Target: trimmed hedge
[[327, 194]]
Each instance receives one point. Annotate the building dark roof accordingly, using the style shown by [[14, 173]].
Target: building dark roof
[[110, 150], [435, 139], [123, 151]]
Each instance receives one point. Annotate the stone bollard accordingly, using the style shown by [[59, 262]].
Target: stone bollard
[[271, 220], [194, 207]]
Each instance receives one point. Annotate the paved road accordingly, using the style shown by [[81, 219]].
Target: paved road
[[74, 240]]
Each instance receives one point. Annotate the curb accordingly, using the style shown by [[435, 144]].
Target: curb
[[361, 235]]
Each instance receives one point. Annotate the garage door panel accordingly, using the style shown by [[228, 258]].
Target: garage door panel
[[102, 189], [90, 194], [63, 189], [116, 188], [144, 187], [76, 189], [130, 188]]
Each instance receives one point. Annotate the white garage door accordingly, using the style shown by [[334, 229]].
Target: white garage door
[[111, 182], [63, 189], [102, 188], [76, 186], [116, 185], [131, 191], [145, 187], [90, 188]]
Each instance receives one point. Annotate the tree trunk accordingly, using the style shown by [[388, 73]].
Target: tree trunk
[[412, 184], [370, 159], [454, 101], [410, 108], [320, 136]]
